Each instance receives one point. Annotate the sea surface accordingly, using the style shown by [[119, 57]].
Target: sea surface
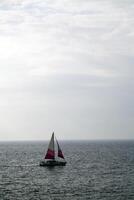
[[97, 170]]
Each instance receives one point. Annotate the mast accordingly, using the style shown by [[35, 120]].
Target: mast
[[51, 152]]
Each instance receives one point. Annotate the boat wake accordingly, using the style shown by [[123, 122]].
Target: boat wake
[[29, 165]]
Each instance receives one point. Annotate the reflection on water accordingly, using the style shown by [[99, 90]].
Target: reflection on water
[[94, 170]]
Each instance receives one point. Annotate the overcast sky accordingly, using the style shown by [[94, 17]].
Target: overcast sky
[[67, 66]]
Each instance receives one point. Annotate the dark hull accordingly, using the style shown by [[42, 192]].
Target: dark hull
[[52, 163]]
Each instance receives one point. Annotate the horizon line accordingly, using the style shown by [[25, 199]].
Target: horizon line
[[69, 140]]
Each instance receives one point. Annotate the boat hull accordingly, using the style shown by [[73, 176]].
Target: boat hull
[[52, 163]]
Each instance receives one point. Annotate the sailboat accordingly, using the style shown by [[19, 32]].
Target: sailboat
[[50, 157]]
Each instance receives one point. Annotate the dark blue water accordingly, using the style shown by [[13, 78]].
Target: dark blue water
[[94, 170]]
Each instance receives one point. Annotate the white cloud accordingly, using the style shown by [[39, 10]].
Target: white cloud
[[58, 51]]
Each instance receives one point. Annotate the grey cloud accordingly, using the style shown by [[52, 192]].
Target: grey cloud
[[68, 66]]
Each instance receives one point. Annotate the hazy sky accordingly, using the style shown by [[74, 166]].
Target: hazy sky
[[68, 66]]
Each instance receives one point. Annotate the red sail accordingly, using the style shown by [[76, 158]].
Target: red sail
[[50, 152], [60, 154]]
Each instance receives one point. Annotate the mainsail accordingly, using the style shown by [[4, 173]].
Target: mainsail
[[60, 154], [50, 152]]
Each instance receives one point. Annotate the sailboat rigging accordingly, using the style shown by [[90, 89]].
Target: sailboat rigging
[[50, 157]]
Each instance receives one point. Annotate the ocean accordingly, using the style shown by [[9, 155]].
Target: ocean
[[97, 170]]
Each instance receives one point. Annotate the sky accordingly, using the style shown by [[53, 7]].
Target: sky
[[66, 66]]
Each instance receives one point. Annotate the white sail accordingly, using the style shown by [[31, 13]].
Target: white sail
[[51, 152]]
